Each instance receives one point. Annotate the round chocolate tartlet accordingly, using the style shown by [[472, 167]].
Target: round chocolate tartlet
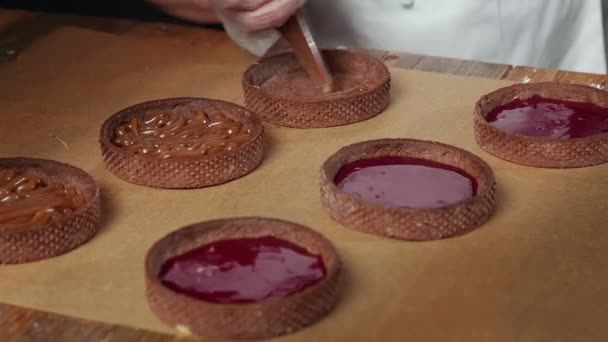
[[280, 91], [551, 125], [46, 209], [182, 143], [407, 189], [242, 278]]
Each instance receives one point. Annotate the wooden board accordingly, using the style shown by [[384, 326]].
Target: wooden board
[[48, 84]]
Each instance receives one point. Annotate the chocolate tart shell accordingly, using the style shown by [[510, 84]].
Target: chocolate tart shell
[[273, 317], [323, 111], [21, 244], [409, 223], [182, 172], [540, 151]]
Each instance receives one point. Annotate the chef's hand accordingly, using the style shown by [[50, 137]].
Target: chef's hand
[[248, 15], [249, 23], [256, 15]]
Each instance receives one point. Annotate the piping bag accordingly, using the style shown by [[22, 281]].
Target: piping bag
[[297, 33]]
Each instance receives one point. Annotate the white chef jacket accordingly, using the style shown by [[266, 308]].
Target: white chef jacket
[[561, 34]]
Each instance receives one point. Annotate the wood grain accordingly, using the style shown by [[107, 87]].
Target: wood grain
[[20, 324], [527, 74], [462, 67], [18, 29]]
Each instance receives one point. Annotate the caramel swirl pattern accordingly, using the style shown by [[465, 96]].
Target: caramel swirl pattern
[[25, 199], [167, 135]]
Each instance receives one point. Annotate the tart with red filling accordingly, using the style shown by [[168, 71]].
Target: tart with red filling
[[551, 125], [242, 278], [407, 189]]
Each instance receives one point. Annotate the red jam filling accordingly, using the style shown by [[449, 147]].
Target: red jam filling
[[245, 270], [404, 182], [550, 118]]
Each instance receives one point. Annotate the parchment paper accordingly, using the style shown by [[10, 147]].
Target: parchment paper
[[536, 271]]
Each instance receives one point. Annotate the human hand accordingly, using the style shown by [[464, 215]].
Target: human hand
[[256, 15], [248, 22]]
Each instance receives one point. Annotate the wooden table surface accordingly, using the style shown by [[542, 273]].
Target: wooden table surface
[[18, 29]]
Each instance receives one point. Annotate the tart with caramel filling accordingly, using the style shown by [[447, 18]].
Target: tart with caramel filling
[[46, 209], [182, 143]]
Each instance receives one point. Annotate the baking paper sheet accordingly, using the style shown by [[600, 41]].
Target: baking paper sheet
[[537, 270]]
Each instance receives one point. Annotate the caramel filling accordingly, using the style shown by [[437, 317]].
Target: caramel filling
[[25, 199], [167, 135]]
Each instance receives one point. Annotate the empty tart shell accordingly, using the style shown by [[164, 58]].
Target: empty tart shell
[[182, 172], [293, 109], [26, 243], [409, 223], [265, 319], [541, 151]]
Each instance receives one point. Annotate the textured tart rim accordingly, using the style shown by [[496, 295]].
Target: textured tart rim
[[265, 319], [317, 112], [409, 223], [36, 242], [182, 172], [541, 151]]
